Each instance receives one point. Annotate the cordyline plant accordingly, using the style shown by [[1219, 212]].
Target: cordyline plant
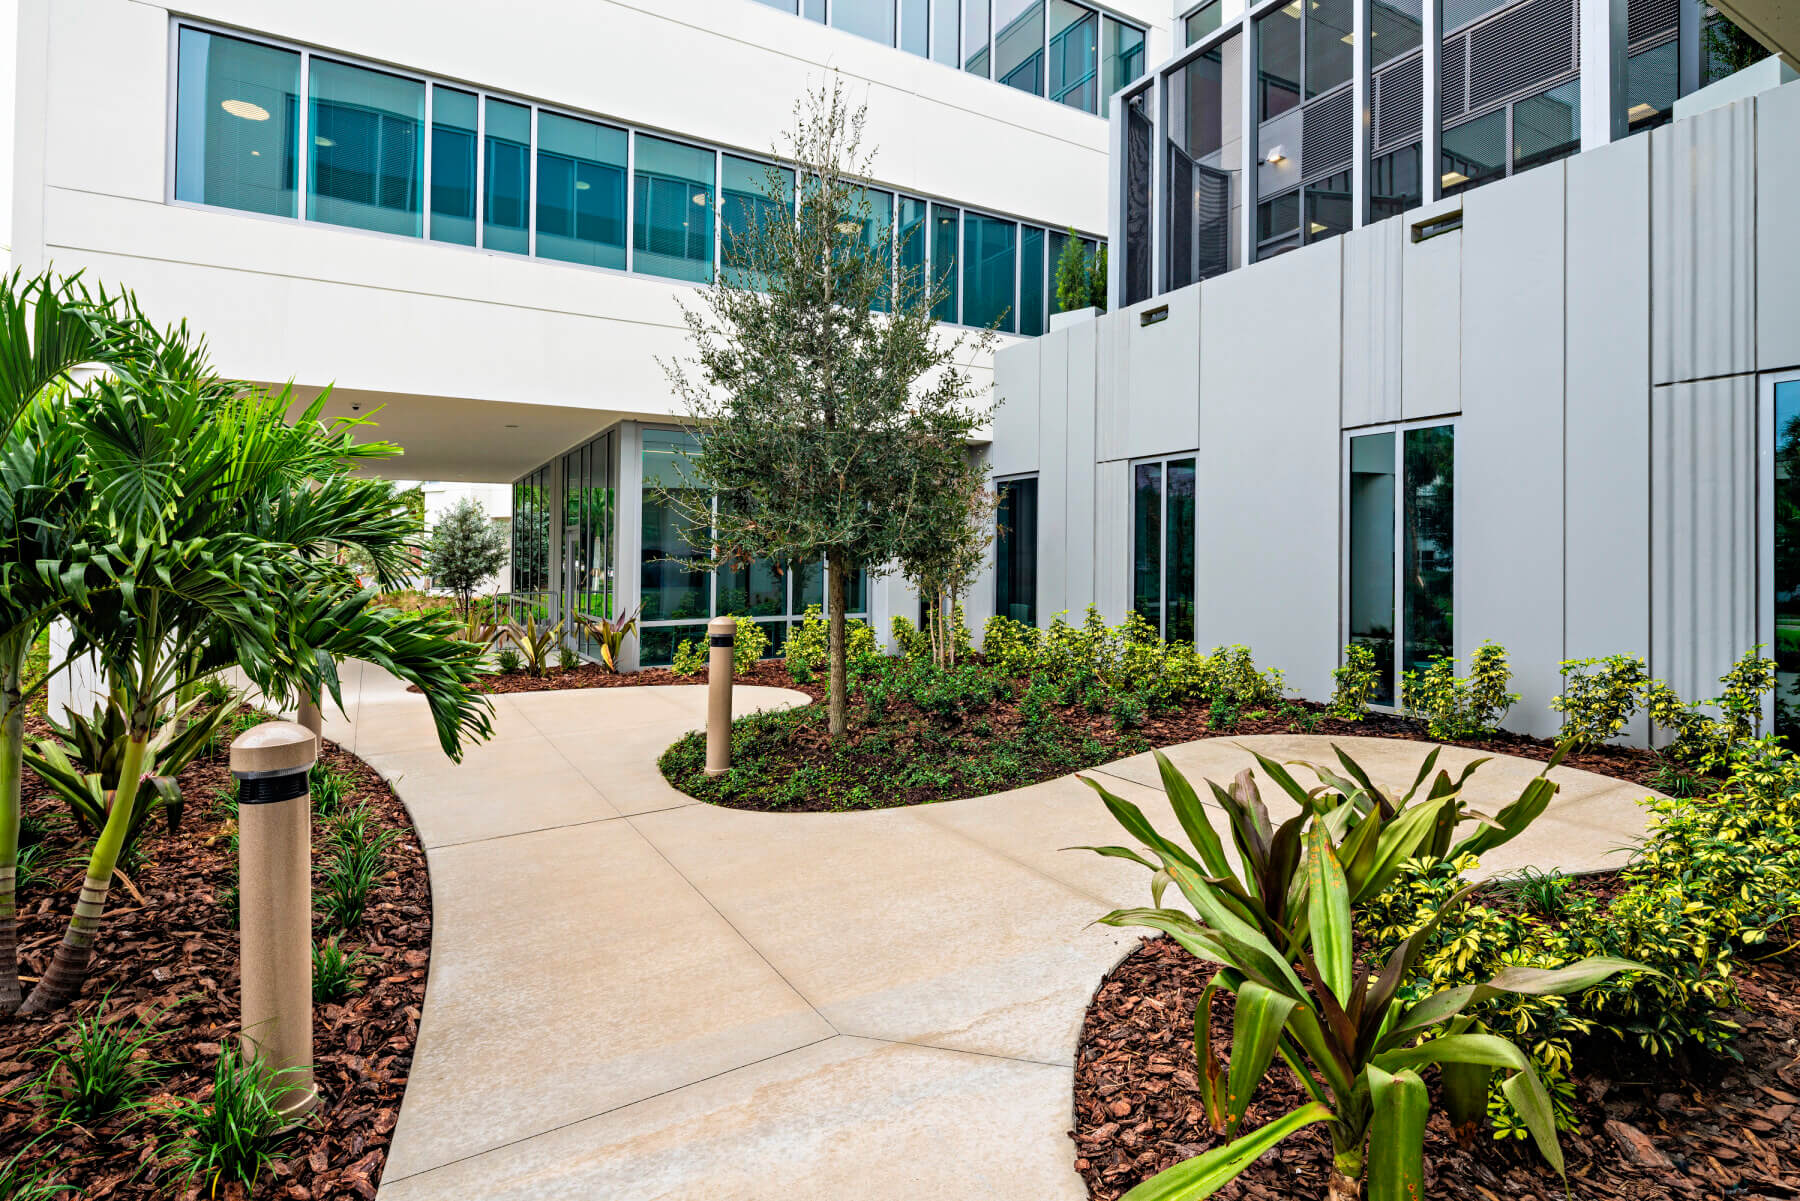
[[208, 537], [827, 403], [1280, 930]]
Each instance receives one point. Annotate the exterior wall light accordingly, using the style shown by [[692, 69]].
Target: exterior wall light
[[1276, 155]]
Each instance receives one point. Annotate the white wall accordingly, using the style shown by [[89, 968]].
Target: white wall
[[9, 56]]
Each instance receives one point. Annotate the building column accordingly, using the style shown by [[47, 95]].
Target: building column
[[1604, 36], [1690, 22], [1159, 187], [1362, 133], [1115, 210], [1431, 75], [1252, 150]]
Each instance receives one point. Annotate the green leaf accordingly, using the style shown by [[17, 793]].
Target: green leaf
[[1256, 1028], [1528, 1096], [1465, 1089], [1192, 816], [1401, 1106], [1204, 1175], [1511, 821], [1328, 914], [1532, 981], [1398, 842]]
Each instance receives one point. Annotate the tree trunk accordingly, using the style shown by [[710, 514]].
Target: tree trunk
[[12, 747], [837, 694], [62, 981]]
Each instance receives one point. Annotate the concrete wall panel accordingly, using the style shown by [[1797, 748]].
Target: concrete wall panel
[[1112, 543], [1113, 396], [1053, 459], [1509, 503], [1267, 488], [1607, 405], [1431, 317], [1777, 231], [1703, 245], [1018, 395], [1702, 526], [1165, 375], [1077, 552], [1373, 315]]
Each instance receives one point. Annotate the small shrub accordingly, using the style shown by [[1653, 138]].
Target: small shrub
[[1599, 696], [1461, 708], [1357, 679], [909, 639], [1702, 743], [808, 646], [748, 646], [327, 785], [355, 862], [566, 658], [1231, 672], [508, 660], [1010, 646], [690, 658], [97, 1068], [1129, 711], [30, 1181], [233, 1137], [1300, 719], [215, 690], [1222, 714], [334, 971], [1545, 893]]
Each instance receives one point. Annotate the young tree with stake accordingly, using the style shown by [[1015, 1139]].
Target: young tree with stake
[[465, 551]]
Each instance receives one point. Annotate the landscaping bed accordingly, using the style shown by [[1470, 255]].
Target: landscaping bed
[[770, 673], [1700, 1127], [167, 957]]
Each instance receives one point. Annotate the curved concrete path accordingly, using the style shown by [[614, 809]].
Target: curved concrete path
[[637, 996]]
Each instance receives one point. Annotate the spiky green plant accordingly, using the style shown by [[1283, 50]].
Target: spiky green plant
[[235, 1135], [609, 635], [335, 971], [97, 1067]]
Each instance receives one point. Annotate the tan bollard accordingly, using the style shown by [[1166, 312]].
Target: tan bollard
[[310, 716], [270, 762], [721, 632]]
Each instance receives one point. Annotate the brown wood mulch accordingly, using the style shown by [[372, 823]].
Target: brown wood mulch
[[770, 673], [168, 954], [1645, 1128]]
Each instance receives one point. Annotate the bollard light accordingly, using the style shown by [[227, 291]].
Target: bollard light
[[271, 762], [721, 633], [310, 716]]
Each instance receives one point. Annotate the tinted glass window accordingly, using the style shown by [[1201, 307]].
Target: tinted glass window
[[1474, 152], [453, 137], [870, 18], [1074, 51], [989, 259], [1201, 23], [506, 194], [1328, 45], [1019, 44], [1015, 551], [1371, 554], [581, 191], [237, 124], [1428, 552], [943, 260], [672, 227], [1547, 127], [749, 200], [1031, 281], [1278, 60], [367, 161]]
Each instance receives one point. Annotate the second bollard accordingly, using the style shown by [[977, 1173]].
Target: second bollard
[[721, 634], [271, 762]]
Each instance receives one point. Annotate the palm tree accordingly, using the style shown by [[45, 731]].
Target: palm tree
[[209, 540]]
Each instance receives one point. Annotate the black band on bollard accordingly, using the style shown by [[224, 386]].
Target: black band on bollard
[[266, 788], [721, 639]]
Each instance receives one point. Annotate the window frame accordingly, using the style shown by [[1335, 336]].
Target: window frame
[[1162, 462], [1766, 438], [1398, 534], [999, 483]]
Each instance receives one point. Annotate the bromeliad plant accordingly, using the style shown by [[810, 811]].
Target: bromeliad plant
[[1280, 930], [609, 635], [536, 644]]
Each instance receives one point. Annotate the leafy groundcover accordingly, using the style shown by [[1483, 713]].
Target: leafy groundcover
[[168, 954]]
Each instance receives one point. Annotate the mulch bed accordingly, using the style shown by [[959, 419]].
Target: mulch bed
[[1646, 1129], [770, 673], [172, 957]]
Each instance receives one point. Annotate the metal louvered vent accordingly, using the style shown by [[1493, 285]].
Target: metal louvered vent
[[1452, 90], [1650, 20], [1326, 134], [1398, 99], [1522, 48]]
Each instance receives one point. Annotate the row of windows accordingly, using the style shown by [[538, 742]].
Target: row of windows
[[416, 158], [1068, 52]]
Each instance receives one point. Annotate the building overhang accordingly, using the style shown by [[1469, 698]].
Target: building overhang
[[1774, 23]]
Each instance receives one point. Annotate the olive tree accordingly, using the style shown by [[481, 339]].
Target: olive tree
[[822, 394], [465, 550]]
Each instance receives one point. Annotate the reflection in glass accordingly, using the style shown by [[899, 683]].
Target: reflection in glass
[[506, 192], [1031, 281], [1394, 29], [674, 583], [1178, 584], [1329, 43], [1371, 555], [1547, 127], [237, 116], [587, 538], [1787, 559], [1394, 183], [1019, 44], [871, 217], [913, 235], [581, 191], [1428, 558], [1474, 152], [1278, 60], [367, 166], [1328, 207], [453, 135], [943, 260], [1074, 50], [1121, 58], [531, 531], [915, 27], [1199, 24], [975, 37], [989, 258], [672, 219], [1015, 551], [944, 31], [870, 18], [749, 200], [1651, 86], [1147, 543]]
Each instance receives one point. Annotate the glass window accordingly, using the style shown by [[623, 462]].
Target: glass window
[[1074, 56], [1787, 559], [532, 517], [367, 168], [915, 27], [1196, 106], [587, 536], [675, 582], [453, 137], [749, 199], [1138, 135], [1019, 44], [1651, 86], [786, 6], [975, 37], [1278, 60], [868, 226], [1394, 183], [756, 589], [1725, 49], [1329, 45], [1178, 582], [1199, 24], [1164, 544], [1474, 152], [506, 194], [1428, 565], [869, 18], [943, 261], [1278, 216], [1394, 27], [990, 248], [1031, 281], [913, 236], [672, 228], [1328, 207], [1371, 554], [237, 124], [945, 32], [1121, 58], [580, 191], [1015, 551], [1147, 542], [1547, 127]]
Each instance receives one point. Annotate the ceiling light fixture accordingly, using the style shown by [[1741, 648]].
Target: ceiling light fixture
[[582, 185], [324, 141], [244, 109], [1640, 111], [1319, 229], [849, 228], [1452, 178], [700, 199]]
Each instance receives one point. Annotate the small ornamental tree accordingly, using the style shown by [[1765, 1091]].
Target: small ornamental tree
[[465, 551], [948, 535], [822, 394]]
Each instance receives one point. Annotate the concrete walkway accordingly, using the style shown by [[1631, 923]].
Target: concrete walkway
[[637, 996]]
